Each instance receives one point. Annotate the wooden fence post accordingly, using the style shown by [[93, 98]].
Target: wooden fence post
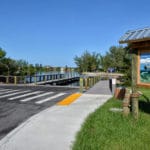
[[15, 80], [86, 85], [81, 85], [94, 80], [89, 82]]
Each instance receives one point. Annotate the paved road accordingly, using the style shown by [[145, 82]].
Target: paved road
[[18, 103]]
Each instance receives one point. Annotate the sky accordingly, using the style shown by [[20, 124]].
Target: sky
[[53, 32]]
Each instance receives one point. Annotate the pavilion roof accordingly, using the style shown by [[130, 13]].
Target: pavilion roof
[[136, 36]]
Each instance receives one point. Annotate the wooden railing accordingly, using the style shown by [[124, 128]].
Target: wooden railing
[[33, 79], [87, 82]]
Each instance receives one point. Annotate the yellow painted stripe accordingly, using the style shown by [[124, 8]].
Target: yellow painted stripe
[[68, 100]]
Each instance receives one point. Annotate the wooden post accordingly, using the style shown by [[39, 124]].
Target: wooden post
[[135, 105], [134, 95], [15, 80], [81, 85], [89, 81], [134, 71], [86, 85], [7, 79], [97, 78], [126, 102], [94, 80]]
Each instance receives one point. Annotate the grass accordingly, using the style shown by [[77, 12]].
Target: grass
[[106, 130]]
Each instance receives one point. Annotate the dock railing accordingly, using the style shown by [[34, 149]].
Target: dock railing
[[34, 79]]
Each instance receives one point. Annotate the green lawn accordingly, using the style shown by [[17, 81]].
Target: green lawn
[[106, 130]]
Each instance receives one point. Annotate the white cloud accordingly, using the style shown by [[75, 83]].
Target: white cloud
[[145, 61]]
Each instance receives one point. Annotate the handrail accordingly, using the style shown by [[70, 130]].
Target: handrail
[[32, 79]]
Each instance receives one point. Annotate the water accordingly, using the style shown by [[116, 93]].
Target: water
[[75, 83]]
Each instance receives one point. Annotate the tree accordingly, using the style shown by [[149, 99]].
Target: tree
[[2, 53], [22, 67], [115, 58], [31, 69], [127, 66], [58, 69], [3, 67], [88, 62], [119, 58], [8, 66]]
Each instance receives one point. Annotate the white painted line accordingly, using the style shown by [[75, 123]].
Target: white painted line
[[1, 90], [37, 96], [14, 94], [24, 95], [9, 92], [50, 98]]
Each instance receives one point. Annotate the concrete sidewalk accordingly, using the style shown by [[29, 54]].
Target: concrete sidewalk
[[55, 128]]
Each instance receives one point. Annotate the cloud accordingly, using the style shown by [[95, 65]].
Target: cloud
[[145, 61]]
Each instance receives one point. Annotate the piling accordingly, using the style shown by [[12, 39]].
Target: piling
[[135, 105], [81, 85], [15, 80], [7, 79], [126, 102], [86, 84]]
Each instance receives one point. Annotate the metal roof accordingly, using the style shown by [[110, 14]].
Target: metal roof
[[136, 36]]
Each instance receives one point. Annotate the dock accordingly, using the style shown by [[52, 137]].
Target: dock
[[59, 81], [54, 79]]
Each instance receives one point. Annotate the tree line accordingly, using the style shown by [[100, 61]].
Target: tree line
[[117, 59], [9, 66]]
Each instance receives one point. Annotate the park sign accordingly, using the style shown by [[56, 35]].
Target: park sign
[[139, 42]]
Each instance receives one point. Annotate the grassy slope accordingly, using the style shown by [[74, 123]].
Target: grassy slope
[[105, 130]]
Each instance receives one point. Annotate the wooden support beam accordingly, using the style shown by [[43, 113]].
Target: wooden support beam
[[139, 45]]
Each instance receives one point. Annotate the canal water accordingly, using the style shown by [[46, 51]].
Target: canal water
[[75, 83]]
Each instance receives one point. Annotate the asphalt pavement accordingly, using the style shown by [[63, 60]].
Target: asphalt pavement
[[18, 103], [55, 127]]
